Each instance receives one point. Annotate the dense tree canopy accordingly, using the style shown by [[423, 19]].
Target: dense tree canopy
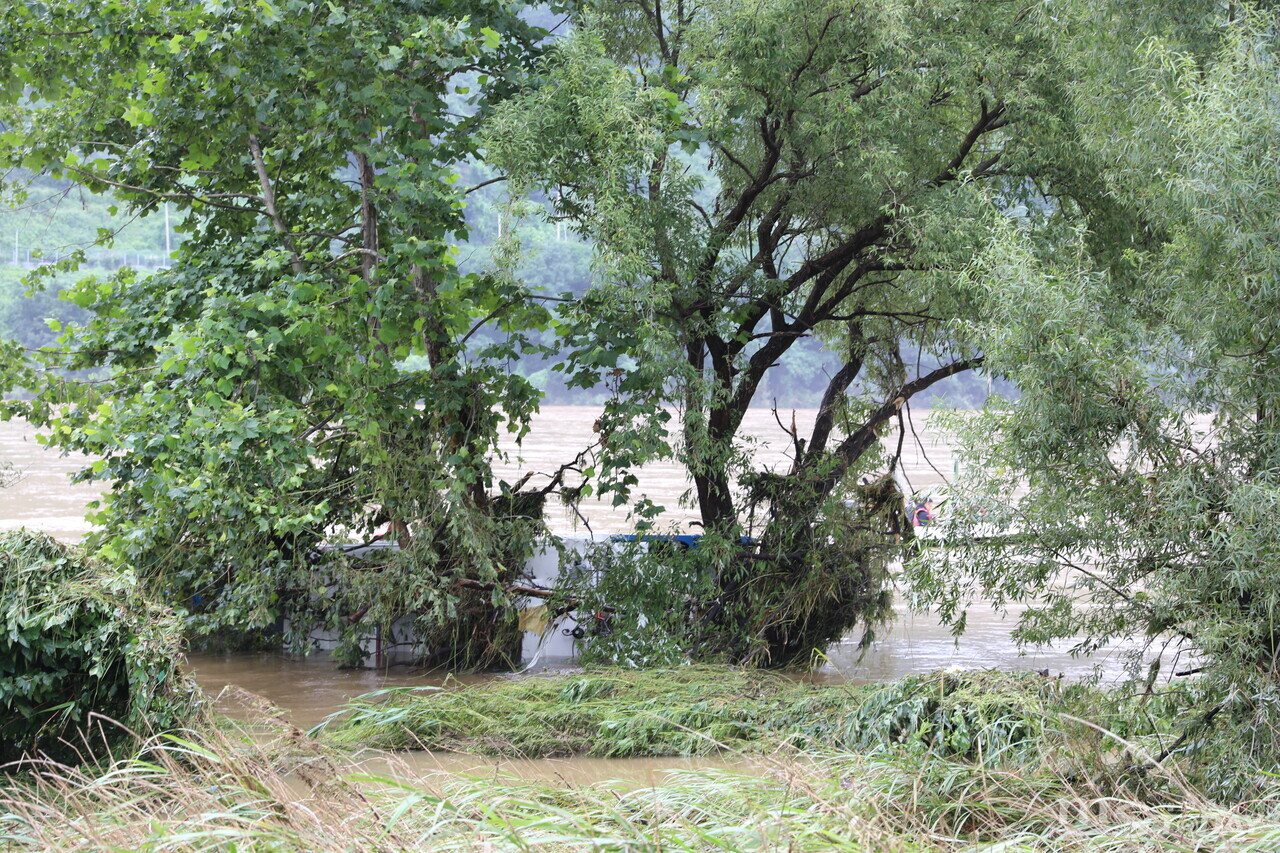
[[249, 401], [929, 189], [1156, 517], [907, 182]]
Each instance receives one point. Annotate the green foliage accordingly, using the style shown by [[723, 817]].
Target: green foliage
[[1146, 743], [949, 728], [988, 717], [213, 793], [892, 180], [254, 407], [652, 590], [1135, 479], [79, 640], [49, 220], [1053, 792], [684, 711], [25, 315]]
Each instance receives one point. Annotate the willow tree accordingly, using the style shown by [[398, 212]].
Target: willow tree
[[1156, 519], [249, 402], [886, 177]]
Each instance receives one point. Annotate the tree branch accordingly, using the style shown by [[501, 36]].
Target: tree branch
[[855, 445], [269, 199]]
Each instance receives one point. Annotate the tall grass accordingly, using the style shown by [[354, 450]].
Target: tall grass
[[225, 794], [609, 713], [913, 767]]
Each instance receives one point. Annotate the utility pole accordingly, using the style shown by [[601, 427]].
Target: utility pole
[[559, 221]]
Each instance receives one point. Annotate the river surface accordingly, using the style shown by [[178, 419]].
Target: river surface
[[44, 499]]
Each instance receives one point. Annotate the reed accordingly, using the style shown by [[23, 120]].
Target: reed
[[698, 711], [979, 762], [617, 713], [224, 793]]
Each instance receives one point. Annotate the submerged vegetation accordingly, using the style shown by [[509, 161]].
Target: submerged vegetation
[[689, 711], [1220, 743]]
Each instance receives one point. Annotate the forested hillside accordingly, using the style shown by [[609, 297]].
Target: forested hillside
[[54, 219]]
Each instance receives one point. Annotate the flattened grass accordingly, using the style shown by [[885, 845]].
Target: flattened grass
[[686, 711], [218, 795], [700, 711], [974, 762]]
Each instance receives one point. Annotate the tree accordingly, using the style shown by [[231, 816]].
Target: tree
[[889, 178], [1156, 517], [250, 402]]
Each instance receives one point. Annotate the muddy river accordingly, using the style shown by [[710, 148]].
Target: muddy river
[[44, 499]]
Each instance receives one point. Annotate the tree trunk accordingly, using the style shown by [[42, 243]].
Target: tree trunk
[[820, 570]]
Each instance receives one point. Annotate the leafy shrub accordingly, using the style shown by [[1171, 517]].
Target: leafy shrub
[[78, 639], [651, 590]]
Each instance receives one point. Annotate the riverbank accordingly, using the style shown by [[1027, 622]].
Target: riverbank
[[216, 798], [945, 762]]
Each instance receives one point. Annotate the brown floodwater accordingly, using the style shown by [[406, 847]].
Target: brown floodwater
[[560, 432], [310, 689], [44, 498]]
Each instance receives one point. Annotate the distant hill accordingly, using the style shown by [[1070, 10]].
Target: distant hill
[[57, 218]]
